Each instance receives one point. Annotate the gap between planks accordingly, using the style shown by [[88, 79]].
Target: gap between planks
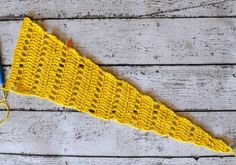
[[68, 110], [8, 159], [118, 9], [112, 18], [150, 65], [59, 133], [109, 156]]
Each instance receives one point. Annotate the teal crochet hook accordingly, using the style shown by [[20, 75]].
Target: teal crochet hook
[[2, 80], [3, 99]]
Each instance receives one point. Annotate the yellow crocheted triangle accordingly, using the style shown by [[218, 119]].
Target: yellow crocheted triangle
[[45, 67]]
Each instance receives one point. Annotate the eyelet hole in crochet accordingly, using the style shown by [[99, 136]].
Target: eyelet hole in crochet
[[155, 112], [174, 122], [30, 29], [119, 83], [64, 54], [81, 66], [25, 48], [22, 60], [61, 65], [135, 112], [20, 72], [156, 106], [23, 54], [136, 106], [99, 84], [27, 42], [117, 95], [95, 100], [43, 53], [28, 35], [56, 86], [63, 59], [114, 107], [98, 90], [58, 75], [92, 110], [46, 36], [118, 90], [77, 83], [134, 117]]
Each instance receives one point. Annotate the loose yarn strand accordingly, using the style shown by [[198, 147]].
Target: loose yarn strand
[[4, 104]]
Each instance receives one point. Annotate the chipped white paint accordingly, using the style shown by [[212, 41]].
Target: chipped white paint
[[140, 41], [113, 8], [73, 133], [29, 160], [127, 41]]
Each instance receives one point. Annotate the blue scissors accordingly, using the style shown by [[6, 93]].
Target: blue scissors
[[4, 96]]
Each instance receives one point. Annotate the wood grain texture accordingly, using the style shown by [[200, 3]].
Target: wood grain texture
[[74, 133], [149, 41], [116, 9], [40, 160], [180, 87], [187, 61]]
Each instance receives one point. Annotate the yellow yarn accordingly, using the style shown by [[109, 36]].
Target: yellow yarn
[[45, 67], [5, 105]]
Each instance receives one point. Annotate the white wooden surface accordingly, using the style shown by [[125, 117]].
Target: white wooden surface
[[58, 160], [187, 61], [116, 8], [76, 133], [140, 41]]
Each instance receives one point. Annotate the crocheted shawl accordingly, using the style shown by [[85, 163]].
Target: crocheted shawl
[[45, 67]]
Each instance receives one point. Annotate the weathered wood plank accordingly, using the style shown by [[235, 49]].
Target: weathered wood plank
[[76, 133], [180, 87], [149, 41], [116, 9], [40, 160]]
